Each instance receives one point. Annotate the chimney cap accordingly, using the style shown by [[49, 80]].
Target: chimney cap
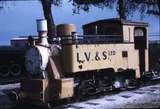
[[42, 25]]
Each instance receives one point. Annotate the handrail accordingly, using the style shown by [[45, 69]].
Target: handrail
[[80, 39]]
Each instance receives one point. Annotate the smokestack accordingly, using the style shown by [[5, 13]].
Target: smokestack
[[42, 31]]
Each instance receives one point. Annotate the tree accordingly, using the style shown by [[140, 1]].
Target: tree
[[124, 7], [121, 9], [149, 6], [47, 10]]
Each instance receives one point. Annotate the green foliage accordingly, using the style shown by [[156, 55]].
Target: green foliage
[[56, 2], [126, 7], [148, 6], [86, 4]]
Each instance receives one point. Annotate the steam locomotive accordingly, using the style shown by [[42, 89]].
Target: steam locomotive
[[112, 54]]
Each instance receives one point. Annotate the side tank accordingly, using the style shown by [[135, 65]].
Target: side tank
[[95, 55]]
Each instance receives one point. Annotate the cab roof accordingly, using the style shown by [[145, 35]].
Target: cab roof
[[117, 21]]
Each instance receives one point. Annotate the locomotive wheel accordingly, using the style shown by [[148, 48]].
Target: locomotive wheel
[[15, 70], [125, 80], [94, 82], [79, 92], [4, 71], [105, 79], [85, 89]]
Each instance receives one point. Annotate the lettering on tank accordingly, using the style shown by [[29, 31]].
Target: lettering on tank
[[88, 56]]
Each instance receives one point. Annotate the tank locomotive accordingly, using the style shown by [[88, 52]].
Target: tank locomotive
[[112, 54]]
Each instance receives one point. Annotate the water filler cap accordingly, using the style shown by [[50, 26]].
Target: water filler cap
[[42, 25]]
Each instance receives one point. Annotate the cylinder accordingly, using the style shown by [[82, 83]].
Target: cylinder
[[65, 29], [42, 25]]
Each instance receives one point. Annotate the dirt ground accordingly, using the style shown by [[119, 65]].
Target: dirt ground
[[145, 97]]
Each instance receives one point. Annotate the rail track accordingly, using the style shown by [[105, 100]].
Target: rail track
[[122, 97], [145, 96]]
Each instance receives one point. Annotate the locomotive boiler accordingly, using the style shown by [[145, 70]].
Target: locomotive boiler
[[112, 54]]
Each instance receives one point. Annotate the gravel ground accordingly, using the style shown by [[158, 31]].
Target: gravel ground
[[145, 97], [6, 100]]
